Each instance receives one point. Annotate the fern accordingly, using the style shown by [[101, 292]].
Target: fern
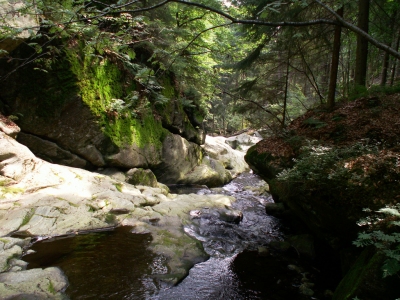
[[386, 243]]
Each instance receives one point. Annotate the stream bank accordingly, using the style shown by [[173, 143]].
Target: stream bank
[[44, 200], [332, 169]]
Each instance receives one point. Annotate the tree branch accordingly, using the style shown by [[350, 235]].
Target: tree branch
[[359, 31], [252, 102]]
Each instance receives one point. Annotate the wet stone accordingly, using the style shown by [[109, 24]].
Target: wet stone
[[230, 216]]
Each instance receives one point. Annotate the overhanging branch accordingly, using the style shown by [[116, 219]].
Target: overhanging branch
[[338, 21]]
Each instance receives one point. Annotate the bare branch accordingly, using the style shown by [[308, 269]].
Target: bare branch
[[252, 102]]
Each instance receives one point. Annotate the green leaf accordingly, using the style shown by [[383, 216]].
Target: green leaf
[[390, 211], [390, 267], [131, 54]]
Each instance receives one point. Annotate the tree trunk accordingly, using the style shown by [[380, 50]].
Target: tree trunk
[[286, 90], [395, 61], [385, 69], [362, 44], [334, 64], [386, 58]]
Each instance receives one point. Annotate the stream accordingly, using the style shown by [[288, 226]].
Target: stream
[[116, 264]]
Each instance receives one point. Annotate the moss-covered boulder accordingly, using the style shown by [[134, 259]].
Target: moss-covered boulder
[[73, 114], [138, 176]]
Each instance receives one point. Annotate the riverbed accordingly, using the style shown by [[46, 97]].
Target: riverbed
[[242, 264]]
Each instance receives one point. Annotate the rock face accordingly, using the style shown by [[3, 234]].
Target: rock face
[[65, 118], [13, 15], [232, 160], [243, 141], [46, 283], [38, 198]]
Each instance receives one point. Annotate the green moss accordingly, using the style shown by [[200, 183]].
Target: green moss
[[133, 131], [91, 208], [168, 88], [28, 216], [78, 176], [118, 186], [110, 218], [101, 82], [51, 288], [4, 190]]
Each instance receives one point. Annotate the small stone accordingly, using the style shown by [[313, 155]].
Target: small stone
[[195, 213], [230, 216], [101, 204], [119, 211]]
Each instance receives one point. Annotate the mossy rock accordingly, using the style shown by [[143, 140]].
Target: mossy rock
[[138, 176], [265, 164]]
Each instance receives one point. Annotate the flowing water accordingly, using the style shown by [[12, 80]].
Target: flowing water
[[117, 264]]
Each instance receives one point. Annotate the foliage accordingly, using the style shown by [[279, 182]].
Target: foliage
[[387, 239], [373, 91], [323, 165], [272, 73]]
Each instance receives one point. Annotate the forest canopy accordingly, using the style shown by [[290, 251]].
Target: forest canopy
[[250, 63]]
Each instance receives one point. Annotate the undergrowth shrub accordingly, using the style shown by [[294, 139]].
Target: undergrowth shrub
[[384, 233], [324, 164], [359, 175]]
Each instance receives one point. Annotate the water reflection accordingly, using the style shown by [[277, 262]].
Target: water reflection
[[102, 265]]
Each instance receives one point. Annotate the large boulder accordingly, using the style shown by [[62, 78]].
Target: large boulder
[[46, 283], [38, 198], [210, 173], [50, 151], [243, 141], [66, 117], [232, 160], [18, 23], [138, 176]]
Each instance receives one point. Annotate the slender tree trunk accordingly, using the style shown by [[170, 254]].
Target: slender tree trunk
[[385, 69], [362, 44], [395, 60], [386, 58], [334, 64], [313, 81], [286, 90]]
